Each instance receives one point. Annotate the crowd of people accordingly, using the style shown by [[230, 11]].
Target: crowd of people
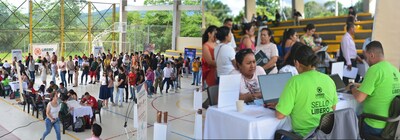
[[124, 73], [303, 57]]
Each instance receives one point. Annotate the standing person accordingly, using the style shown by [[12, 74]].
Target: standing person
[[228, 23], [352, 16], [248, 39], [63, 70], [296, 17], [76, 70], [54, 57], [52, 119], [378, 89], [277, 18], [93, 71], [167, 76], [349, 51], [31, 68], [187, 67], [85, 71], [132, 82], [54, 71], [71, 70], [121, 86], [270, 50], [178, 73], [114, 66], [43, 72], [149, 81], [224, 54], [159, 77], [209, 67], [104, 92], [111, 86], [48, 57], [196, 68]]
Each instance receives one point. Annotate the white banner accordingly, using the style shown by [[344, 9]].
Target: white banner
[[17, 53], [97, 50], [42, 49], [142, 112]]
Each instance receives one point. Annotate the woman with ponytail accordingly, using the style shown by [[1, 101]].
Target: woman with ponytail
[[289, 38], [306, 96], [209, 67]]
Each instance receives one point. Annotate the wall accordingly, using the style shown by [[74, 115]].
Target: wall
[[386, 29], [188, 41]]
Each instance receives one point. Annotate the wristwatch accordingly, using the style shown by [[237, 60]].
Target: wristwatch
[[351, 87]]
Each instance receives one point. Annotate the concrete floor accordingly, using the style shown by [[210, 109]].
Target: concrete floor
[[179, 106]]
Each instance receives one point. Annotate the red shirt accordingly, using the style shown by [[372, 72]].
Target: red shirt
[[132, 78], [91, 100]]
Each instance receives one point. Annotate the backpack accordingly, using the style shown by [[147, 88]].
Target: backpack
[[389, 132], [12, 95], [79, 125]]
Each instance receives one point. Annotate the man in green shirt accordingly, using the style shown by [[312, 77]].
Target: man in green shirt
[[381, 84], [307, 96]]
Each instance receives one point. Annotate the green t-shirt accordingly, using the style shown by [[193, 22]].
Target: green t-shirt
[[6, 82], [306, 98], [381, 84]]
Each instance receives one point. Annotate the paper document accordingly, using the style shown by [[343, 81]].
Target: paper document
[[228, 90], [337, 69], [350, 74]]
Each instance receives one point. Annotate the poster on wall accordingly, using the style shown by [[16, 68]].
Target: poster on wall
[[17, 53], [142, 113], [97, 50], [190, 53], [42, 49]]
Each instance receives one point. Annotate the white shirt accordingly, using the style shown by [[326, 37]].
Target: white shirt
[[224, 58], [348, 48], [271, 51], [233, 42], [54, 110], [103, 81], [6, 65], [289, 68], [252, 83], [31, 66], [167, 72]]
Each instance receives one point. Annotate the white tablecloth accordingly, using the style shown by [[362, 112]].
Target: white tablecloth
[[15, 85], [256, 122], [82, 111]]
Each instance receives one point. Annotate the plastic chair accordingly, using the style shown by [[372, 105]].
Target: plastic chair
[[98, 110], [212, 93]]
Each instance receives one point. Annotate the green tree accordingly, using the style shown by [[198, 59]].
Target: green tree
[[268, 5], [313, 9], [217, 9]]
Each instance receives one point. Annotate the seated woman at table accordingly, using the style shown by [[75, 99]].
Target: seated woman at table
[[307, 96], [65, 111], [6, 83], [24, 77], [247, 67], [72, 95]]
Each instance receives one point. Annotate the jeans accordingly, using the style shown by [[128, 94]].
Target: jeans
[[370, 130], [195, 78], [70, 72], [133, 95], [32, 75], [62, 74], [111, 93], [149, 85], [120, 95], [53, 76], [49, 125], [84, 73], [169, 82]]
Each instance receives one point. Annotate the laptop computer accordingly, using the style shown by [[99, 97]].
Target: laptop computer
[[272, 86], [340, 86]]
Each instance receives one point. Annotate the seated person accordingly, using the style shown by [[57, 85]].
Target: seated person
[[65, 111], [72, 95], [62, 89], [5, 81], [89, 100], [289, 63], [52, 87], [247, 67], [307, 96], [379, 87]]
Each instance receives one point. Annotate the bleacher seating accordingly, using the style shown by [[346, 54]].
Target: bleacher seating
[[330, 29]]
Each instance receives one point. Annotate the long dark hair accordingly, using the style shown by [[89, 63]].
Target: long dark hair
[[309, 26], [290, 58], [210, 29], [286, 35], [246, 27], [222, 32]]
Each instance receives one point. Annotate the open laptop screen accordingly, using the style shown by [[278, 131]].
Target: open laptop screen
[[338, 82], [272, 85]]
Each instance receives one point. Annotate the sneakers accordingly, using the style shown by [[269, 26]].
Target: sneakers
[[192, 83]]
